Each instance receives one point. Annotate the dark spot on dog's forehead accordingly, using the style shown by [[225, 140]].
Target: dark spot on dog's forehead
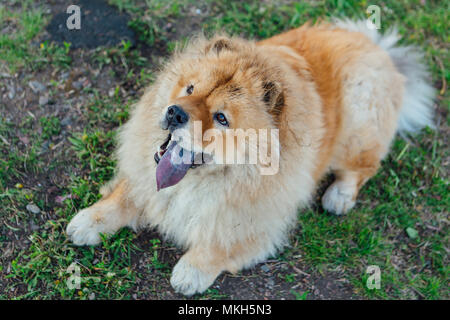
[[221, 80], [234, 89]]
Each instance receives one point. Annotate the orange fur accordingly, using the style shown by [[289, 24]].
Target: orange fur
[[326, 52]]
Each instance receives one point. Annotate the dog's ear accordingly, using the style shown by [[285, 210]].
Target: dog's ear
[[219, 44], [273, 97]]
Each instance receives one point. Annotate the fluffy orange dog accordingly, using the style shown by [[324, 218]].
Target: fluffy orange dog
[[335, 94]]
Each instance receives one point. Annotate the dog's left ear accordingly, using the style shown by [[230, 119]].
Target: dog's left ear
[[219, 44], [273, 97]]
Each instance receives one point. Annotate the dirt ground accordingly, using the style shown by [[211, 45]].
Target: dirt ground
[[50, 169]]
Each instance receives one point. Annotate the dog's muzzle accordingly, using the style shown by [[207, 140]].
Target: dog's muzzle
[[175, 118]]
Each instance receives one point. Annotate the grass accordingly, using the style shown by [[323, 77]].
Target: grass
[[400, 223], [392, 203], [14, 48], [17, 49]]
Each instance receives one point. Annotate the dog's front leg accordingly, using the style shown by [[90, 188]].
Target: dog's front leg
[[200, 265], [114, 211], [195, 271]]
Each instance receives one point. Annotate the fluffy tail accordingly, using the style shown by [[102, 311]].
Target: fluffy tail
[[417, 109]]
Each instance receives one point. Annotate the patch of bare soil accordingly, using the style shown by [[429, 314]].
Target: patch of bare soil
[[100, 25]]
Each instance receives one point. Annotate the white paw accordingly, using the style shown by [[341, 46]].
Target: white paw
[[339, 198], [83, 229], [188, 280]]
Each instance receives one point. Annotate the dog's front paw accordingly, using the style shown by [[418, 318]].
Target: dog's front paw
[[85, 228], [189, 280], [339, 198]]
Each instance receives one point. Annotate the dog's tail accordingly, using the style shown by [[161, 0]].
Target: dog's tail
[[418, 100]]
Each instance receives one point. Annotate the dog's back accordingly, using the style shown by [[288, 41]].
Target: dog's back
[[370, 89]]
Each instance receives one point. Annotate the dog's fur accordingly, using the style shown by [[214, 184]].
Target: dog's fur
[[337, 92]]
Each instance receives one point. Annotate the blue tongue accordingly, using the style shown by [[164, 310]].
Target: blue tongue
[[172, 166]]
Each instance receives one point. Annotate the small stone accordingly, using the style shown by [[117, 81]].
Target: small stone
[[67, 121], [134, 296], [412, 233], [36, 86], [111, 92], [92, 296], [64, 76], [43, 100], [265, 268], [33, 208], [270, 282], [78, 85], [11, 93]]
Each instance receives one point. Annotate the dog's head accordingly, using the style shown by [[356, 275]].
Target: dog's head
[[222, 97]]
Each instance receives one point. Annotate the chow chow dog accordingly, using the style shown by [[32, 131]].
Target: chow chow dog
[[334, 94]]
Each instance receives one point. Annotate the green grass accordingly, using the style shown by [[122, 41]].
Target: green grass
[[17, 49], [410, 192], [375, 233], [14, 48]]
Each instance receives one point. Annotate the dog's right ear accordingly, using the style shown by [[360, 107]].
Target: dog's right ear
[[219, 44]]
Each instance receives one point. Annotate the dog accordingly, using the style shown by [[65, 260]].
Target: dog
[[334, 95]]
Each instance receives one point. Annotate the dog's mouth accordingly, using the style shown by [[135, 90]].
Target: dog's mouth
[[173, 162]]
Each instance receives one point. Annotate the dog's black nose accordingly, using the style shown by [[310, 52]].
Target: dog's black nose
[[176, 117]]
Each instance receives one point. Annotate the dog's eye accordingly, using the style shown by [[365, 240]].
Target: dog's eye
[[220, 117], [189, 89]]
